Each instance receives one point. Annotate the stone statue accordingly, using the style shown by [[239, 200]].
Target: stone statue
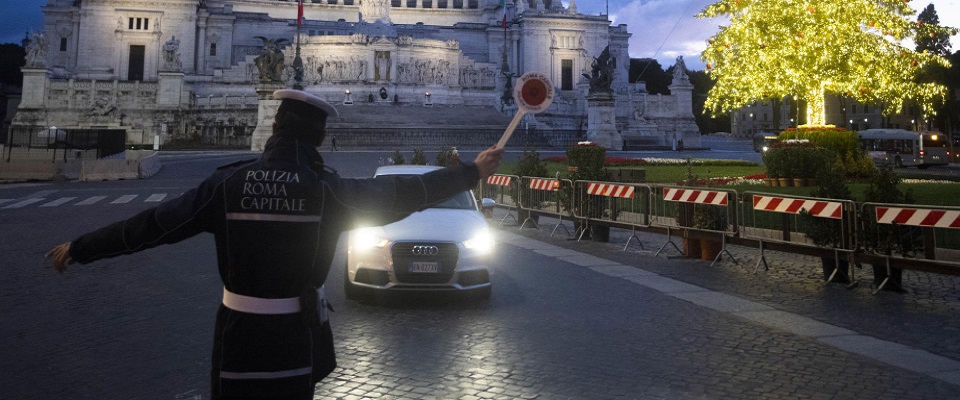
[[171, 55], [602, 70], [37, 51], [382, 64], [680, 70], [270, 61]]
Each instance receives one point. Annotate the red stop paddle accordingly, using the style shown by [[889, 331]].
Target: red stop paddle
[[533, 94]]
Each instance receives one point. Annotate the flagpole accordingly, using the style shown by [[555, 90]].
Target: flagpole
[[297, 61]]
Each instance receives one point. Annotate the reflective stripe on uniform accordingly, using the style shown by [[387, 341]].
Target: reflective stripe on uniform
[[273, 217], [266, 375], [256, 305]]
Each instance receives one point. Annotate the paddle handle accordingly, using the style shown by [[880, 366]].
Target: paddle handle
[[510, 128]]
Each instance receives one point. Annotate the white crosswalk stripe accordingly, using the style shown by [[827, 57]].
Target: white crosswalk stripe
[[40, 199], [24, 203], [57, 202], [90, 201], [124, 199]]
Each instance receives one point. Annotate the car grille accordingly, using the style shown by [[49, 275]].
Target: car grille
[[405, 253]]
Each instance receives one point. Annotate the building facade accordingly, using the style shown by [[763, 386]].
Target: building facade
[[191, 69]]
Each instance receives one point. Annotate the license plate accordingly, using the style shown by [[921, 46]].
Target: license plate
[[424, 267]]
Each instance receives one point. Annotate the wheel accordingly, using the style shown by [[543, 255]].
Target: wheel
[[898, 162]]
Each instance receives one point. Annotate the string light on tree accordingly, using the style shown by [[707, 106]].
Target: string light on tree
[[778, 48]]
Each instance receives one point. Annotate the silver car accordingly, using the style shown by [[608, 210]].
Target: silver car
[[443, 248]]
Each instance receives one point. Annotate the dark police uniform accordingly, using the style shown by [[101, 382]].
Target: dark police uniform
[[276, 222]]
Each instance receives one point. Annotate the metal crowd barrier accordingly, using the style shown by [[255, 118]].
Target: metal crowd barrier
[[678, 207], [906, 230], [504, 190], [620, 203], [542, 196], [775, 218]]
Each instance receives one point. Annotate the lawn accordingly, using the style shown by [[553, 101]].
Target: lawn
[[945, 194]]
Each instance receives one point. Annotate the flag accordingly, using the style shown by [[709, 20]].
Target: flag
[[300, 12], [503, 5]]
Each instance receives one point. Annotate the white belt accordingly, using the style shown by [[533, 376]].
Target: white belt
[[257, 305]]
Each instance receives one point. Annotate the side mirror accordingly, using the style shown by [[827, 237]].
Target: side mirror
[[488, 203]]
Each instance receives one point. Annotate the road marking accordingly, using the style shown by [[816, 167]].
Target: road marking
[[155, 197], [124, 199], [26, 202], [2, 201], [57, 202], [90, 201]]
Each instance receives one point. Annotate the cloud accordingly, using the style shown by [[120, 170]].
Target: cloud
[[665, 29]]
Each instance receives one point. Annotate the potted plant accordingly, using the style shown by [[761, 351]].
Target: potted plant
[[529, 165], [773, 160], [888, 239], [589, 159], [710, 217], [828, 232]]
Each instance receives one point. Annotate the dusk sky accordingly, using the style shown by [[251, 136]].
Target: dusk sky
[[662, 29]]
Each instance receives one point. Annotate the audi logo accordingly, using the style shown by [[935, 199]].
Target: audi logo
[[425, 250]]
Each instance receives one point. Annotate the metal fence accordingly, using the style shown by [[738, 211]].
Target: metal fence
[[65, 143]]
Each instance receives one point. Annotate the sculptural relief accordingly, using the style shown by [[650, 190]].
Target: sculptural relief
[[171, 55]]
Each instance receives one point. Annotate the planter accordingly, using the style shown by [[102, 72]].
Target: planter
[[896, 278], [811, 181], [523, 215], [829, 264], [710, 249], [600, 233], [691, 247], [774, 182], [768, 182], [799, 182], [786, 182]]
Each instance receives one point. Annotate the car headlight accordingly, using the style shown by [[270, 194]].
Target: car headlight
[[481, 242], [368, 238]]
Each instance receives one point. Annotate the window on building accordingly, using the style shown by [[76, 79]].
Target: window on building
[[566, 74], [473, 4], [396, 3], [441, 3], [427, 3], [63, 44], [411, 3], [138, 24], [213, 49]]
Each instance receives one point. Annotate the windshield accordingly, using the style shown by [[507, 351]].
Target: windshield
[[462, 201]]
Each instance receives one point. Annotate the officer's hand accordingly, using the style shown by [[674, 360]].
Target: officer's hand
[[61, 257], [488, 161]]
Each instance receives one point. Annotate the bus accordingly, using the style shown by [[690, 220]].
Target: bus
[[764, 140], [905, 148]]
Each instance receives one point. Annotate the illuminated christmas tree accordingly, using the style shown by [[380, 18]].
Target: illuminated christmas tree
[[776, 48]]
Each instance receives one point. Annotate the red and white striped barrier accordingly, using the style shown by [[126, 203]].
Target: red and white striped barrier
[[817, 208], [610, 190], [695, 196], [499, 180], [545, 184], [918, 217]]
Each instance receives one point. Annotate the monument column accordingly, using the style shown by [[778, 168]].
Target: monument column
[[601, 121], [266, 111]]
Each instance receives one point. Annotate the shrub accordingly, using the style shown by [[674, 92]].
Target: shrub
[[418, 158], [888, 238], [448, 156], [529, 165], [398, 158]]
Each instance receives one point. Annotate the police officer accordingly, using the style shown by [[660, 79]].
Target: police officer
[[276, 221]]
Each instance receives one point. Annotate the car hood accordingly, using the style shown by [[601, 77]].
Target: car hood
[[437, 224]]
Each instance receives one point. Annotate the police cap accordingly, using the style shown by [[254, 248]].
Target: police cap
[[303, 102]]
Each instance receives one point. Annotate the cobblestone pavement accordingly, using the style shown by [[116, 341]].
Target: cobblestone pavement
[[626, 324], [567, 320]]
